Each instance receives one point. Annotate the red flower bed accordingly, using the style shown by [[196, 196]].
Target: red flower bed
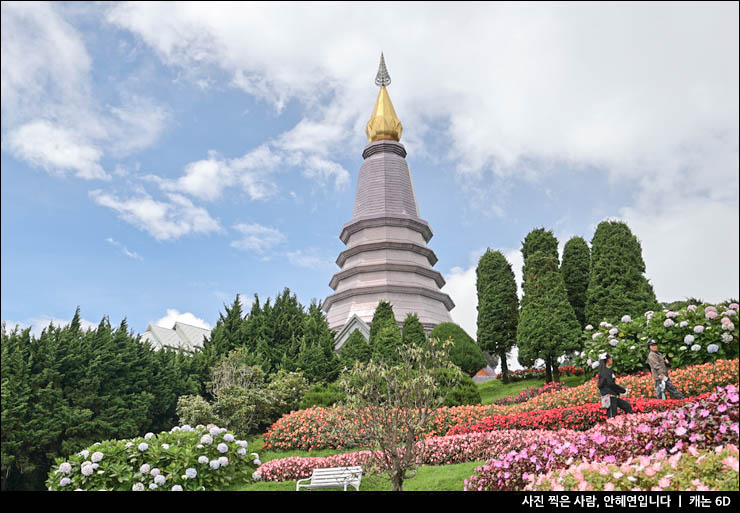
[[578, 418]]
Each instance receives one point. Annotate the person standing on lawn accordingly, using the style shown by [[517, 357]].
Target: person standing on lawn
[[609, 389], [659, 368]]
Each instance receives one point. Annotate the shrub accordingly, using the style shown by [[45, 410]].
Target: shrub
[[322, 394], [695, 334], [194, 410], [464, 353], [185, 458], [465, 392]]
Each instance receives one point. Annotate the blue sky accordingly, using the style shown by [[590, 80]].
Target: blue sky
[[159, 159]]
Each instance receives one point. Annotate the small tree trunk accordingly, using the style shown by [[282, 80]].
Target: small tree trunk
[[397, 481], [555, 371], [548, 371], [504, 367]]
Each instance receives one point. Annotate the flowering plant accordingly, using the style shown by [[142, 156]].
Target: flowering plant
[[528, 393], [174, 460], [695, 334]]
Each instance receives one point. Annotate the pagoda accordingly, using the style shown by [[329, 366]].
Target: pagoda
[[387, 257]]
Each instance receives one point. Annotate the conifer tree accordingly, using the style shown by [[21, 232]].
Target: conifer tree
[[538, 239], [356, 347], [575, 270], [548, 327], [383, 314], [617, 284], [413, 331], [464, 353], [498, 307]]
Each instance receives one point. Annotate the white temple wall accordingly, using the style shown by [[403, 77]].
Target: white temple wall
[[385, 233], [370, 279], [381, 256]]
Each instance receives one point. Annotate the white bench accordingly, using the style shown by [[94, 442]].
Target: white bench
[[336, 477]]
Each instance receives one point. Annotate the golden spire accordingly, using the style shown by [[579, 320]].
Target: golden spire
[[383, 124]]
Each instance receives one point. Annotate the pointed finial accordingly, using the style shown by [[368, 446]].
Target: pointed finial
[[382, 78]]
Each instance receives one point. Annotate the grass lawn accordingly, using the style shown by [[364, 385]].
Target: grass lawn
[[495, 389], [430, 478]]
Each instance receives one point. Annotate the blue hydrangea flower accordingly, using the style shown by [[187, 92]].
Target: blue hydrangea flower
[[229, 437], [191, 473], [214, 464], [222, 448], [65, 481], [712, 348]]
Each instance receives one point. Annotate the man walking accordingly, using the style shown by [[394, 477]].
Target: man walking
[[660, 373]]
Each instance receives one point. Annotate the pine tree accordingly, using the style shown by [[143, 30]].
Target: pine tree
[[575, 271], [617, 285], [548, 327], [383, 314], [542, 240], [498, 307]]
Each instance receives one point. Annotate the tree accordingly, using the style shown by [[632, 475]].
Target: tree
[[385, 336], [413, 331], [542, 240], [548, 327], [356, 348], [498, 307], [463, 352], [389, 405], [575, 270], [617, 285], [383, 315]]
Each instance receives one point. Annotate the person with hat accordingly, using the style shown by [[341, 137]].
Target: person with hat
[[609, 390], [659, 368]]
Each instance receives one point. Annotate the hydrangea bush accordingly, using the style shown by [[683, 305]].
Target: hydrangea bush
[[695, 334], [185, 458]]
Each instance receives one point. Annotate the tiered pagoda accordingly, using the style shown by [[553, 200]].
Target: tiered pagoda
[[387, 257]]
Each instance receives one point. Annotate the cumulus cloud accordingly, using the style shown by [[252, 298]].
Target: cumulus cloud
[[173, 315], [163, 220], [51, 116]]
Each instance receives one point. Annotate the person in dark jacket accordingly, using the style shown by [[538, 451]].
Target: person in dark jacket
[[608, 387]]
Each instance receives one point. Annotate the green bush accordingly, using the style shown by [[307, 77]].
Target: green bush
[[464, 352], [355, 348], [464, 393], [186, 458], [322, 394]]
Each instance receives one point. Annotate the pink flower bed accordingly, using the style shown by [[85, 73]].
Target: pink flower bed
[[518, 454]]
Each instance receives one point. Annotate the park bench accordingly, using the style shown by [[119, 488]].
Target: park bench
[[336, 477]]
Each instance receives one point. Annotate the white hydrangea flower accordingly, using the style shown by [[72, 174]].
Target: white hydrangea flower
[[229, 437], [214, 431], [691, 308], [203, 459], [257, 475], [613, 331], [668, 323], [160, 479], [728, 326], [596, 335], [632, 348], [65, 468], [165, 446], [187, 428], [153, 486], [683, 324], [695, 347], [143, 446], [730, 312], [84, 453], [65, 481], [726, 338], [148, 436], [191, 473], [671, 315], [87, 470], [613, 342], [589, 327], [214, 464], [243, 443], [155, 472], [242, 451], [138, 487], [699, 329], [223, 461], [626, 318], [177, 488], [222, 448], [145, 468], [682, 348], [257, 462], [199, 446], [595, 365], [129, 444], [206, 439], [712, 348], [688, 339], [175, 429], [97, 456]]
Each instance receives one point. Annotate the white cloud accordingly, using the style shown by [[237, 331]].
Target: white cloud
[[173, 315], [257, 238], [162, 220], [311, 259], [124, 250], [51, 116]]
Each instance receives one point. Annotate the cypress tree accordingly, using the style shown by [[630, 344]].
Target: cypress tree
[[355, 348], [464, 353], [575, 271], [548, 327], [498, 307], [413, 331], [617, 285], [383, 314]]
